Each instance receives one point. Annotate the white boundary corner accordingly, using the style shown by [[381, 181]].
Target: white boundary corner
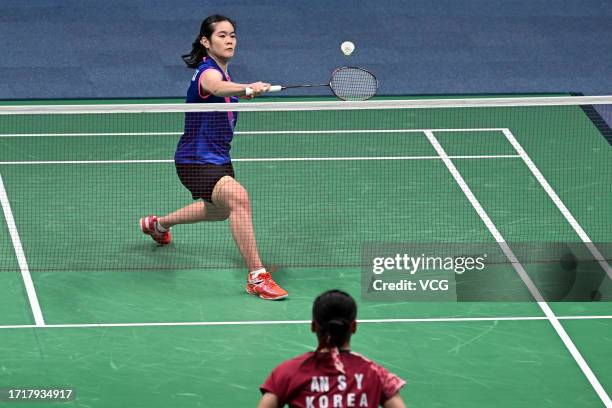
[[557, 201]]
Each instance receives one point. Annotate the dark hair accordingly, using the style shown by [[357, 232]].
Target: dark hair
[[334, 311], [198, 51]]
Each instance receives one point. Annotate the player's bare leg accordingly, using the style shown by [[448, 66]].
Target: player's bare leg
[[159, 227], [229, 194], [196, 212]]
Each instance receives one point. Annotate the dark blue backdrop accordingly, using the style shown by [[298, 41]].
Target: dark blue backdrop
[[121, 48]]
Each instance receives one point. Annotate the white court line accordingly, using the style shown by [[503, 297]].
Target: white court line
[[518, 267], [264, 159], [21, 259], [560, 205], [290, 322], [253, 132]]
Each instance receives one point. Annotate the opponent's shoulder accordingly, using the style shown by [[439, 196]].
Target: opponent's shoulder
[[390, 383], [294, 364], [357, 360]]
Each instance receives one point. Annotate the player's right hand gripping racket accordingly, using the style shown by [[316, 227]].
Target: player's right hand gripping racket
[[347, 83]]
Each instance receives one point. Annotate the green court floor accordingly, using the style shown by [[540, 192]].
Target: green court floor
[[128, 323]]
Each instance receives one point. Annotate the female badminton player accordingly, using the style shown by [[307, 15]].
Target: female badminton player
[[202, 159], [332, 376]]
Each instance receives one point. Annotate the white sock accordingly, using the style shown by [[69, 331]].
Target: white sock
[[254, 274], [159, 228]]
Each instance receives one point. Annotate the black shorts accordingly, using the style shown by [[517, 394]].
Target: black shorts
[[200, 179]]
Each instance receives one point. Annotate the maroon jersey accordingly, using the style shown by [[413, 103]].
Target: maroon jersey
[[312, 380]]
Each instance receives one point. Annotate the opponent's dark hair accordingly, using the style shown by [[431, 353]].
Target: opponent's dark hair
[[198, 51], [334, 311]]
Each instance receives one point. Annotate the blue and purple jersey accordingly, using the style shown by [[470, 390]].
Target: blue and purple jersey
[[207, 136]]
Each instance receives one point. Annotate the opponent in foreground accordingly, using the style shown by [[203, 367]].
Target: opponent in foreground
[[202, 159], [332, 376]]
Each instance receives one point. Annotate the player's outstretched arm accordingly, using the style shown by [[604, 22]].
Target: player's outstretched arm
[[395, 401], [212, 83], [268, 400]]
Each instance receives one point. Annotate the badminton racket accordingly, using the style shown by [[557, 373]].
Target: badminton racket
[[347, 83]]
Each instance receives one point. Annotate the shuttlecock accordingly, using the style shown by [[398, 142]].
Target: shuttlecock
[[347, 48]]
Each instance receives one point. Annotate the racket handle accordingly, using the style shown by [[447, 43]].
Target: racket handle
[[274, 88]]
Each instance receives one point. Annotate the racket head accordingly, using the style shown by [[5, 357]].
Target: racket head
[[353, 84]]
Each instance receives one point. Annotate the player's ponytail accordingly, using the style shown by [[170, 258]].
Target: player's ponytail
[[337, 331], [198, 51], [334, 311]]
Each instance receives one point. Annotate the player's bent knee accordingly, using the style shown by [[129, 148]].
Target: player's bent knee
[[221, 188], [229, 194], [239, 199], [243, 197]]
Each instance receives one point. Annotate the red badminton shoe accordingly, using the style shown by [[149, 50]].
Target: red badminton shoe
[[148, 226], [263, 285]]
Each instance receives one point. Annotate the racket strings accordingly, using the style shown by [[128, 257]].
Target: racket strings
[[353, 84]]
